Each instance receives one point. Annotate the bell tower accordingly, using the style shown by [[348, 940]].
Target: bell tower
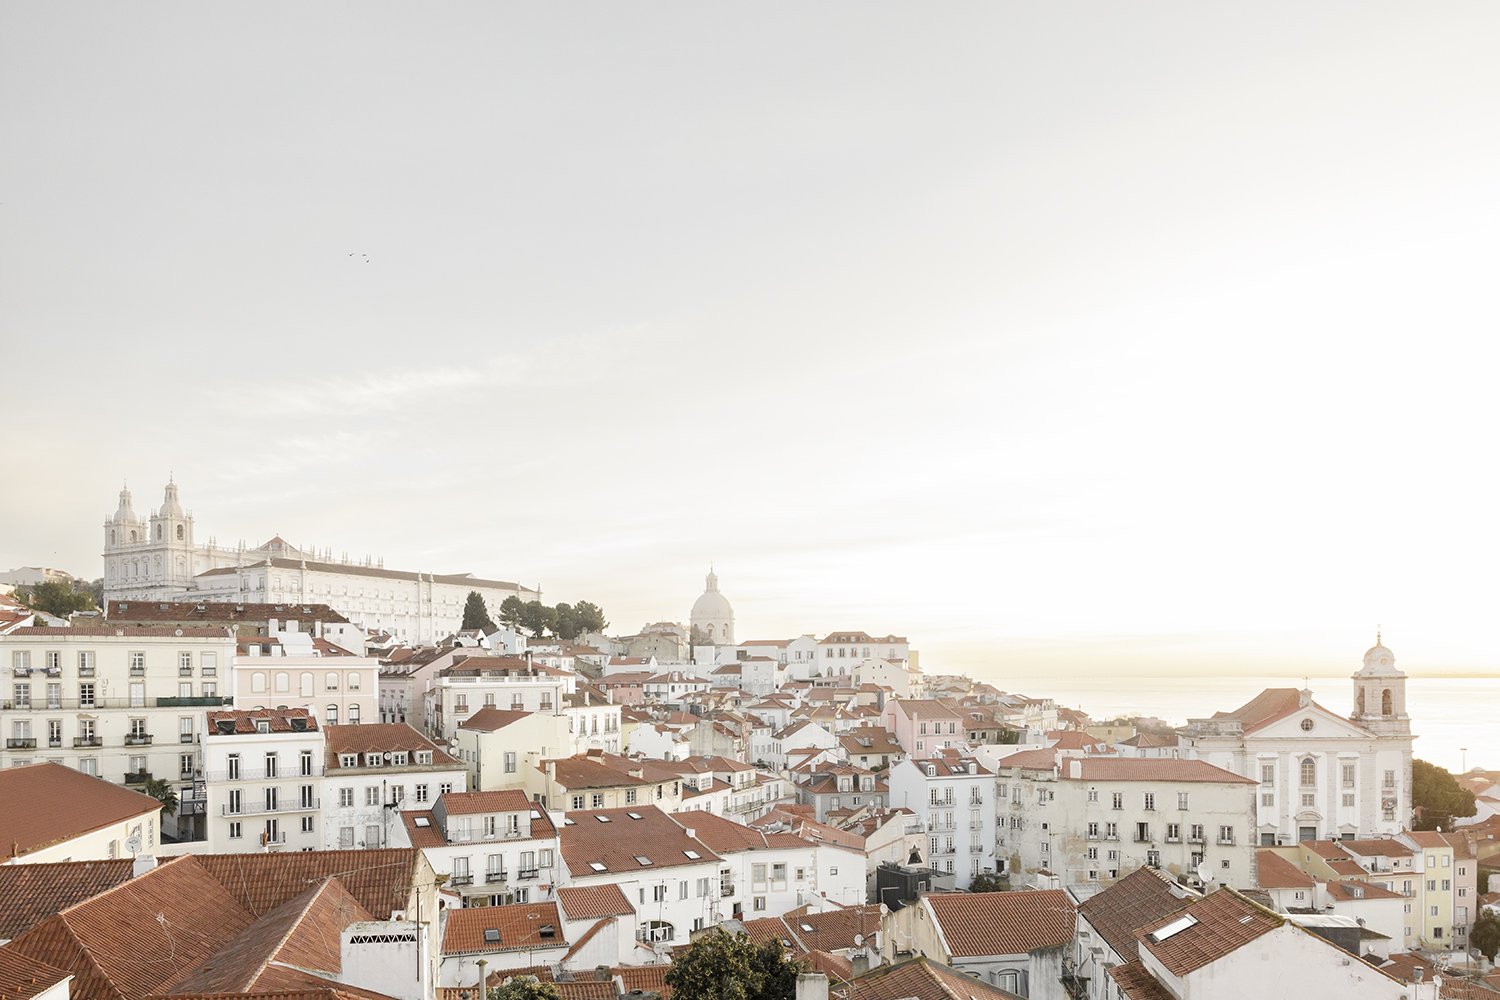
[[172, 542], [1380, 693]]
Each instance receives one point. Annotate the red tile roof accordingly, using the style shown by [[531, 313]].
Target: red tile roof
[[521, 926], [1135, 900], [980, 924], [503, 800], [219, 612], [379, 737], [31, 893], [920, 979], [1224, 921], [620, 839], [1275, 872], [244, 721], [22, 978], [588, 902], [1136, 983], [1147, 769], [379, 878], [48, 804], [120, 631]]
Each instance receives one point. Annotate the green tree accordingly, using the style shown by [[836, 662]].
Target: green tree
[[720, 966], [476, 615], [537, 618], [162, 791], [511, 610], [989, 882], [1437, 797], [590, 617], [523, 988], [56, 597], [1485, 934], [567, 621]]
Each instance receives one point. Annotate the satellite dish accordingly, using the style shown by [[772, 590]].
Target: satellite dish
[[1205, 873], [389, 756], [453, 743], [859, 940]]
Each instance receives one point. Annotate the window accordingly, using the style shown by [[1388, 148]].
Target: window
[[85, 695], [760, 903], [332, 715], [23, 696], [510, 762], [346, 799], [307, 824], [578, 802], [233, 765], [235, 831], [372, 795], [306, 765], [421, 793], [271, 759], [1309, 772], [372, 839], [346, 837], [1117, 800], [1142, 833], [1268, 774], [1149, 800], [235, 801], [1182, 801], [596, 800], [1348, 775], [354, 714]]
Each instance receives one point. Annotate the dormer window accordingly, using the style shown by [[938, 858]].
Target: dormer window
[[348, 760]]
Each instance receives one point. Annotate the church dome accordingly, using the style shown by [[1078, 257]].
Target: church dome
[[712, 606], [171, 506], [124, 514], [1379, 659]]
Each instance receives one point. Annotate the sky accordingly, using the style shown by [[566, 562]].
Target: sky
[[1115, 339]]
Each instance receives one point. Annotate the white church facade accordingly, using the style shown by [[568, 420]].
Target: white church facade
[[1321, 776], [156, 558]]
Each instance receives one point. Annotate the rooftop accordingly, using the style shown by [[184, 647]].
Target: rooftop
[[50, 804], [980, 924]]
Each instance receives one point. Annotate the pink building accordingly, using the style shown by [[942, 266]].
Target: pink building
[[924, 726]]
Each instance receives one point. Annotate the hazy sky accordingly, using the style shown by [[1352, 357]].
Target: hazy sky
[[1055, 335]]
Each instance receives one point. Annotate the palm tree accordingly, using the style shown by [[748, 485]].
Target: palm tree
[[162, 791]]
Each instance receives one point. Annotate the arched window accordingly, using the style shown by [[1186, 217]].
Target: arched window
[[353, 682], [158, 532], [1385, 702], [111, 536], [1359, 702], [132, 536], [258, 682], [333, 715], [353, 715], [307, 685], [331, 682], [283, 682], [1309, 771], [179, 533]]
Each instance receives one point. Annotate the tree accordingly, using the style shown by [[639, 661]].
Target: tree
[[1437, 797], [721, 966], [511, 610], [523, 988], [989, 882], [1485, 934], [476, 615], [567, 621], [162, 791], [590, 617], [56, 597], [537, 618]]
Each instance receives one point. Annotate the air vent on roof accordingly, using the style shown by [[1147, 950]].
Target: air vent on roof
[[164, 607], [535, 814], [598, 866], [568, 822], [491, 935]]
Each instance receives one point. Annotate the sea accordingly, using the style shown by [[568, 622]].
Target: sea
[[1456, 719]]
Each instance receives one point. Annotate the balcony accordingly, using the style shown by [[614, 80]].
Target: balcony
[[21, 671], [184, 671], [184, 737], [1174, 840], [1196, 840], [527, 873], [20, 743], [259, 809], [138, 740], [85, 671], [1225, 841], [138, 671], [209, 701], [137, 777], [54, 741], [492, 877], [87, 741], [461, 880]]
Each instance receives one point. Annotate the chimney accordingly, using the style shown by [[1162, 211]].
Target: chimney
[[143, 864], [812, 986]]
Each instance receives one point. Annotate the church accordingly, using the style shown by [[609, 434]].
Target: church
[[157, 559], [1320, 776], [711, 622]]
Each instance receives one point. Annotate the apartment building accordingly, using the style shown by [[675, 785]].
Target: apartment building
[[1092, 819], [299, 669], [925, 727], [777, 872], [262, 781], [954, 799], [121, 702], [57, 814], [496, 848], [372, 772], [507, 682]]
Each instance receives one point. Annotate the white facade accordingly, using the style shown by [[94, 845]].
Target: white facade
[[955, 803], [119, 702], [159, 559], [366, 783], [262, 788], [294, 671], [458, 692], [495, 849]]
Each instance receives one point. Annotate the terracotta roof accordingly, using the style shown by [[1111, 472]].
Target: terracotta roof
[[596, 772], [1404, 965], [218, 612], [1131, 902], [422, 829], [1136, 983], [616, 842], [1378, 848], [379, 736], [1360, 890], [588, 902], [920, 979], [491, 718], [979, 924], [49, 804], [648, 978], [1275, 872], [503, 800], [1427, 839], [586, 990], [1032, 760], [1223, 922], [308, 987], [475, 929], [31, 893], [1147, 741], [348, 569], [379, 878], [120, 631], [1146, 769], [244, 721], [22, 978], [926, 708]]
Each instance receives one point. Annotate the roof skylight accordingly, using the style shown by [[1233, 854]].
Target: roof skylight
[[598, 866], [1177, 926]]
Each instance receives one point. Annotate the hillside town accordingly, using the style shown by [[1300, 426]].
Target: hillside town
[[409, 785]]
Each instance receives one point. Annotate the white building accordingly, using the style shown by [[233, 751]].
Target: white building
[[373, 771], [840, 652], [773, 873], [495, 848], [159, 559], [954, 798], [262, 781], [53, 813], [124, 703], [1093, 819], [1321, 776], [499, 681]]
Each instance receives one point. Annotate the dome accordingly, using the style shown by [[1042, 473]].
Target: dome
[[170, 506], [124, 514], [712, 605], [1379, 659]]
